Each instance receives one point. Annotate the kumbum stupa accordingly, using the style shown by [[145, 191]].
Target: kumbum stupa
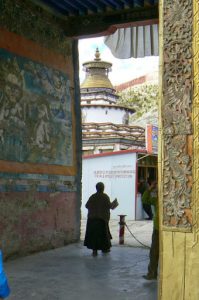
[[105, 124]]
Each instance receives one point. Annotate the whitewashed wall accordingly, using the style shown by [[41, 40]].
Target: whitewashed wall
[[118, 173], [103, 114]]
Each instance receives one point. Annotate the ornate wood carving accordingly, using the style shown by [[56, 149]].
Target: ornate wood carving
[[177, 109]]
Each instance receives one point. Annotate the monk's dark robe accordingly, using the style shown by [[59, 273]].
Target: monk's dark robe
[[98, 235]]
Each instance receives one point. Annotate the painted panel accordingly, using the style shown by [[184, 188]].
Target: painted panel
[[34, 69], [35, 113]]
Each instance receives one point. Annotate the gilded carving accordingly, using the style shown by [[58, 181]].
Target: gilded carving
[[177, 108]]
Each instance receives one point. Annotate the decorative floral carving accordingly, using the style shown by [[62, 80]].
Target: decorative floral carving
[[177, 108], [176, 190]]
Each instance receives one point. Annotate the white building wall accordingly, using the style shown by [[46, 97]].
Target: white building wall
[[94, 101], [103, 115], [98, 99], [118, 173]]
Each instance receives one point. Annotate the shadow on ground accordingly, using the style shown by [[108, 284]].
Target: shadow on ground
[[71, 273]]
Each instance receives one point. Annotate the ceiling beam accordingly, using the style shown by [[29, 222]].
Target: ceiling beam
[[79, 8], [109, 4], [117, 3], [87, 5], [94, 19], [138, 3], [106, 23], [94, 7], [128, 3], [61, 8]]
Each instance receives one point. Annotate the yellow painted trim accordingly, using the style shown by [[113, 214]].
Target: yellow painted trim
[[195, 115], [160, 146], [176, 229], [32, 168]]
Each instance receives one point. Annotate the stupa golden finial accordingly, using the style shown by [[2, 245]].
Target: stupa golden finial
[[97, 55]]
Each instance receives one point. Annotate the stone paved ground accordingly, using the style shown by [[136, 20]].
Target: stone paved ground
[[71, 273], [142, 230]]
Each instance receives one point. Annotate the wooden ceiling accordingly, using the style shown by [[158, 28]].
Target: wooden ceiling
[[87, 17], [87, 7]]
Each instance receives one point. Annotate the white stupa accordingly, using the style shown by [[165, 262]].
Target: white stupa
[[105, 125]]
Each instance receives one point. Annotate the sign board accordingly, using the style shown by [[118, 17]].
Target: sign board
[[151, 139], [118, 173]]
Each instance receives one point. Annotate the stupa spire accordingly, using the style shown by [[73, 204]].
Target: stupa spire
[[97, 55]]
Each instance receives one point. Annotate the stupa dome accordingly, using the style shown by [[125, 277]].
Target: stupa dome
[[97, 73]]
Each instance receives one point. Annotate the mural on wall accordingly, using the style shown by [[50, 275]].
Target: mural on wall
[[35, 112]]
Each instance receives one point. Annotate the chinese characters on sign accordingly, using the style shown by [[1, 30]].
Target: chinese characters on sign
[[116, 172]]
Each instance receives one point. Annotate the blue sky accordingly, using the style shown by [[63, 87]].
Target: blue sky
[[123, 70]]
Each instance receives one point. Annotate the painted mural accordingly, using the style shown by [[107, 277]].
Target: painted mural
[[35, 112]]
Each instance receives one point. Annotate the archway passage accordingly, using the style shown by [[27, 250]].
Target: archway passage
[[30, 176], [41, 155]]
